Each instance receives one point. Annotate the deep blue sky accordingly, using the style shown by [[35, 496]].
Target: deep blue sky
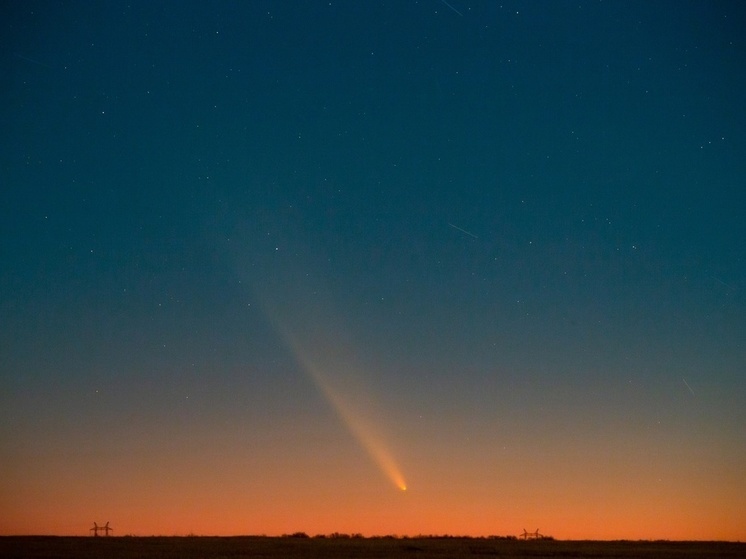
[[522, 221]]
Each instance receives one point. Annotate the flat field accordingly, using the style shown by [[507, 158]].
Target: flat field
[[47, 547]]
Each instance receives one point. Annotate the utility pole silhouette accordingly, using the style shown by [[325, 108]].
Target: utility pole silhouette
[[105, 528], [531, 535]]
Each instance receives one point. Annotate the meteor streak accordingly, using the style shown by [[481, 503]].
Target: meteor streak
[[463, 230], [689, 387]]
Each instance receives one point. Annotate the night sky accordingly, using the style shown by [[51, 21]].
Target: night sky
[[386, 266]]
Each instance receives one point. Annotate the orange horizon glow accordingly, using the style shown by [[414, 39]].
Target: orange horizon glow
[[174, 493], [163, 501], [153, 524]]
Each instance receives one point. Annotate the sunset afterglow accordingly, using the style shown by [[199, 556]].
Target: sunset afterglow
[[375, 268]]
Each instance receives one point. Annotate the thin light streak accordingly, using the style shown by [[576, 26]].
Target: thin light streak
[[463, 230], [689, 387], [454, 9]]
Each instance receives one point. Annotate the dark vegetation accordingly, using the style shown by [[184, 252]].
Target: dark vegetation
[[300, 545]]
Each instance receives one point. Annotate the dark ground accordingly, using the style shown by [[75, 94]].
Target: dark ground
[[48, 547]]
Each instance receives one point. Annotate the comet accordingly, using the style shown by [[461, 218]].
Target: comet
[[291, 290], [303, 319], [358, 424]]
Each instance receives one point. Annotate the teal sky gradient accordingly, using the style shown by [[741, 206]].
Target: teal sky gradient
[[516, 228]]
